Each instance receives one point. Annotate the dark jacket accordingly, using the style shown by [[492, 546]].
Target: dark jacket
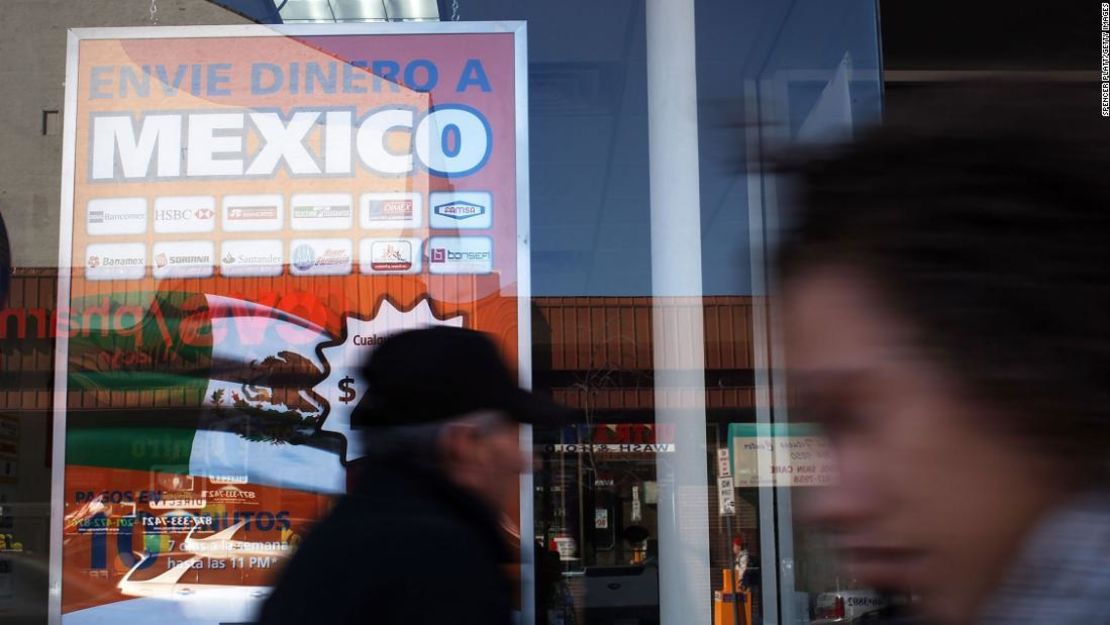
[[406, 547]]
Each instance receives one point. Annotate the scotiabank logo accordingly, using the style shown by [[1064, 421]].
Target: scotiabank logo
[[460, 255], [184, 214]]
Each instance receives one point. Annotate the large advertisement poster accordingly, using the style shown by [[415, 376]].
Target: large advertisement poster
[[247, 212]]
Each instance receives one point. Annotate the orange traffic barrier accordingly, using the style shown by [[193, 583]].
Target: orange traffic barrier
[[731, 606]]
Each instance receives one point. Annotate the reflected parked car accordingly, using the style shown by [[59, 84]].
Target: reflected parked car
[[848, 607]]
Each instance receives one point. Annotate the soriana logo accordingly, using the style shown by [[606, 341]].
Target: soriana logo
[[184, 259]]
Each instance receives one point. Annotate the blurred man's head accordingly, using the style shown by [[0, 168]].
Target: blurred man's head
[[442, 399], [945, 291]]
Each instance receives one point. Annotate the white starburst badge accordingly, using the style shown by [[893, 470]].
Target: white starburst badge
[[344, 386]]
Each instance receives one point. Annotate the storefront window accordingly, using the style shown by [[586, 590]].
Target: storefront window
[[246, 207]]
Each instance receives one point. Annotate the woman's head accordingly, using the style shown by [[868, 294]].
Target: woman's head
[[946, 288]]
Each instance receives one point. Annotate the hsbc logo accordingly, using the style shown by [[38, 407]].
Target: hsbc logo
[[184, 259], [184, 214]]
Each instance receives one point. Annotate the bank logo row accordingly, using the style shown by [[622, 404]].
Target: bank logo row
[[306, 257], [449, 210]]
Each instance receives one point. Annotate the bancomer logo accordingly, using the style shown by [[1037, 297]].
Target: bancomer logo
[[460, 255], [116, 216], [450, 140]]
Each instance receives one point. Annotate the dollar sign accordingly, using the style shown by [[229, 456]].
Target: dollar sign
[[348, 392]]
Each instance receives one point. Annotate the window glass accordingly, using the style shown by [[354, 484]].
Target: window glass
[[196, 217]]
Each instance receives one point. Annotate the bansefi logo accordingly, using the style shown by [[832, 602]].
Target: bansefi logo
[[321, 211], [461, 210], [390, 210], [320, 257], [116, 216], [184, 214], [115, 261], [252, 213], [460, 255], [184, 259], [251, 258], [389, 256]]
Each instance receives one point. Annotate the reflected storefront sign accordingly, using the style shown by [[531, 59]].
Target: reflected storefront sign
[[780, 454], [247, 212]]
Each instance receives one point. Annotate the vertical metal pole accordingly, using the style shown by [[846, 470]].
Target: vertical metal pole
[[678, 334], [768, 547]]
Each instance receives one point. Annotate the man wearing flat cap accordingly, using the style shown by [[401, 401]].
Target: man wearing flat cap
[[417, 541]]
